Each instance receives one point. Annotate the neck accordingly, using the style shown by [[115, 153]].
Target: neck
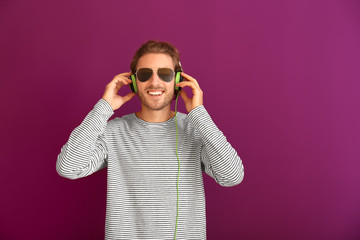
[[154, 116]]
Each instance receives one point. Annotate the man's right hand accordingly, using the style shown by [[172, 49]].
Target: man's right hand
[[112, 89]]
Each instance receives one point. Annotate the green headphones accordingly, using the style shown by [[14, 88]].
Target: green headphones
[[178, 79]]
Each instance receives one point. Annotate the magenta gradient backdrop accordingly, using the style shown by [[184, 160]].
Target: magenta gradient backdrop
[[280, 79]]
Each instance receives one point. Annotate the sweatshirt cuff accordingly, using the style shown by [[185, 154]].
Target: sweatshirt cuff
[[104, 108]]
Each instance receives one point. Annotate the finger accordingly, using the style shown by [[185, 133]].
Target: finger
[[122, 76], [190, 78], [120, 81], [126, 74], [192, 85], [129, 96], [184, 96], [125, 81]]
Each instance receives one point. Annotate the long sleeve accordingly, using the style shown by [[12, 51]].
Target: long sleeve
[[220, 160], [86, 150]]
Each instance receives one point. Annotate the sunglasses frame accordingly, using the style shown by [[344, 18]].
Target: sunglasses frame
[[157, 72]]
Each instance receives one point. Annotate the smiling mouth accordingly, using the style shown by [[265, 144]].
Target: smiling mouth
[[155, 92]]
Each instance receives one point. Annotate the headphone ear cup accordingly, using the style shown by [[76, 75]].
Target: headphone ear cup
[[133, 85], [178, 79]]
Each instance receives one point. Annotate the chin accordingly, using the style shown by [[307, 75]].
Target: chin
[[156, 105]]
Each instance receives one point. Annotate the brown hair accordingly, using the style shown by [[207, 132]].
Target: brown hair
[[156, 47]]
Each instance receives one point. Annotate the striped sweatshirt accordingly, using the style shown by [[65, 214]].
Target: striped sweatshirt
[[142, 170]]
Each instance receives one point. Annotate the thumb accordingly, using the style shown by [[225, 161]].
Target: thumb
[[184, 96], [128, 96]]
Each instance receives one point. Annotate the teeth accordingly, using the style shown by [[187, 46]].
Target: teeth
[[155, 93]]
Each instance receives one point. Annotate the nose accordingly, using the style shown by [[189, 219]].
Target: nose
[[154, 79]]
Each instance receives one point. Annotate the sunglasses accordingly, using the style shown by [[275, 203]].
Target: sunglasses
[[165, 74]]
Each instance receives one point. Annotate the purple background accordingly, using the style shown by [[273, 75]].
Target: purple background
[[280, 79]]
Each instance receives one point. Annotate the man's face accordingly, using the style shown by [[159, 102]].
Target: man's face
[[155, 94]]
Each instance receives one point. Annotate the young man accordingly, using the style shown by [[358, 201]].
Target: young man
[[154, 157]]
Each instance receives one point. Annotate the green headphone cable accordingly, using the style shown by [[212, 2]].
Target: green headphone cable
[[177, 155]]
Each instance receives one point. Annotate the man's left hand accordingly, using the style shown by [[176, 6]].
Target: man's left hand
[[197, 99]]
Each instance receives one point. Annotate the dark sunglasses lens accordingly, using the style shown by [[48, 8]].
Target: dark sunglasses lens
[[143, 74], [166, 74]]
